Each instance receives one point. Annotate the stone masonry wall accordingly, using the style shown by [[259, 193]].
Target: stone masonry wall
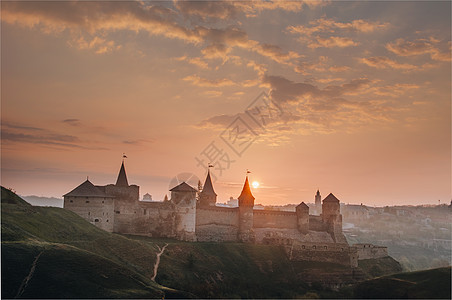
[[130, 193], [323, 252], [217, 224], [369, 251], [275, 219], [316, 223], [156, 219], [96, 210], [185, 222]]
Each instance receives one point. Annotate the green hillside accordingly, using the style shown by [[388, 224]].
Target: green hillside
[[74, 252], [427, 284]]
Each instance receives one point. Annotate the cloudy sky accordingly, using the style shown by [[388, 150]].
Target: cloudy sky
[[352, 98]]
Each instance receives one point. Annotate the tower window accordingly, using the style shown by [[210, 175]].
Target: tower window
[[96, 220], [87, 201], [71, 201]]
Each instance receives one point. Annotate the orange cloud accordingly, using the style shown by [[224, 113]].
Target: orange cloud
[[276, 53], [194, 61], [204, 82], [308, 109], [325, 32], [225, 10], [89, 24], [418, 47], [216, 51], [332, 41], [330, 26], [383, 62], [320, 66], [395, 90]]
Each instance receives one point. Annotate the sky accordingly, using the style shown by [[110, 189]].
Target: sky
[[351, 98]]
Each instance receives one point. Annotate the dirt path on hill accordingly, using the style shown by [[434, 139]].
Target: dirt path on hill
[[157, 261], [24, 284]]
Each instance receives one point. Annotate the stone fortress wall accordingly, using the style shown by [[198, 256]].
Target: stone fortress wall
[[369, 251], [96, 210], [191, 215], [217, 224]]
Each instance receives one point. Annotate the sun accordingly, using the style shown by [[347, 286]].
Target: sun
[[255, 184]]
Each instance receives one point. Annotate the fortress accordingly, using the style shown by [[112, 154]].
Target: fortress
[[192, 215]]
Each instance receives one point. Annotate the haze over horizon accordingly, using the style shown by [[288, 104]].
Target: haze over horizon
[[359, 97]]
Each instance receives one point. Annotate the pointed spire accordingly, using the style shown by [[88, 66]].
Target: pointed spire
[[208, 187], [318, 193], [122, 177], [246, 197]]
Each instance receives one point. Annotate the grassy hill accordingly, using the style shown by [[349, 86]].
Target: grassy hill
[[50, 252], [77, 259], [427, 284]]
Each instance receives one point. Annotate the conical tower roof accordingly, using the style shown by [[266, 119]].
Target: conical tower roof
[[246, 197], [122, 177], [86, 189], [208, 187]]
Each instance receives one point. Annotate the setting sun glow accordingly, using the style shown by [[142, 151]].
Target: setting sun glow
[[255, 184]]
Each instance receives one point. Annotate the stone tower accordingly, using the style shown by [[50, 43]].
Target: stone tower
[[332, 217], [183, 197], [182, 192], [302, 211], [246, 204], [207, 197], [318, 203]]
